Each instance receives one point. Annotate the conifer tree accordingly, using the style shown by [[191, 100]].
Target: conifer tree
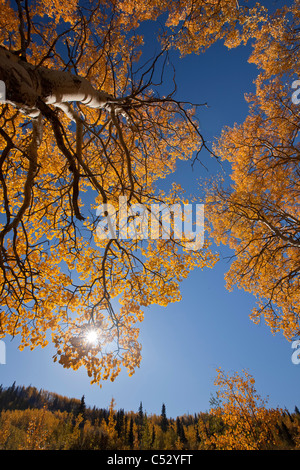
[[141, 414], [131, 434], [180, 430], [163, 418]]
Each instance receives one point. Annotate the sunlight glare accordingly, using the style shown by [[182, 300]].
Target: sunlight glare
[[92, 337]]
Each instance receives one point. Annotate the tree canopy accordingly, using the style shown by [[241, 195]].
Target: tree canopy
[[84, 123], [258, 215]]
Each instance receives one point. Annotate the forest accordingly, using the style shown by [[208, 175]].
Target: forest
[[239, 419]]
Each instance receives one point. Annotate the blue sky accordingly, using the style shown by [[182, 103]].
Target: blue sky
[[184, 343]]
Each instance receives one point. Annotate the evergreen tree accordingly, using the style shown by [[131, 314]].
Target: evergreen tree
[[120, 422], [180, 430], [125, 428], [139, 421], [82, 411], [141, 414], [164, 420], [82, 406], [130, 434]]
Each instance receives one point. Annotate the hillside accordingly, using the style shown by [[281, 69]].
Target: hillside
[[41, 420]]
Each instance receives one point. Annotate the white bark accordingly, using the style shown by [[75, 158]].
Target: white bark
[[27, 84]]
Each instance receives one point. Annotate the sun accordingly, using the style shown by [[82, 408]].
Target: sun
[[92, 337]]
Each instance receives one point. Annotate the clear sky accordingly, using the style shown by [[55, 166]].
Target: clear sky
[[184, 343]]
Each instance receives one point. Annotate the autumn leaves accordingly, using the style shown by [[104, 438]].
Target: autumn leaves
[[54, 277], [258, 216]]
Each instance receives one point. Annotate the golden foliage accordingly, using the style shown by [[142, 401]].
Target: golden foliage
[[258, 215], [56, 278], [247, 423]]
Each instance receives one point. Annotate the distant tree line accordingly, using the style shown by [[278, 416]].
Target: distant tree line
[[238, 419]]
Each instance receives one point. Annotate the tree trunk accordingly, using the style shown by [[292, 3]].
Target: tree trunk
[[26, 84]]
